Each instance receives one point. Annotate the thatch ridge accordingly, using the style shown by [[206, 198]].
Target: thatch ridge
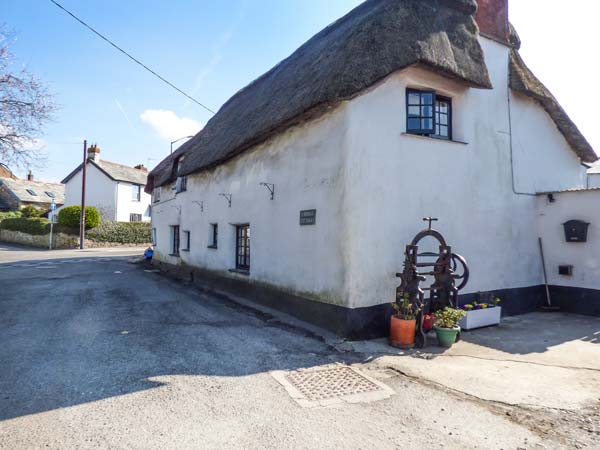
[[374, 40], [524, 81]]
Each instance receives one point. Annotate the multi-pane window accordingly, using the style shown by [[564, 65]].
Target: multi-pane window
[[135, 217], [181, 185], [428, 114], [175, 240], [186, 241], [156, 194], [214, 235], [242, 247], [136, 193]]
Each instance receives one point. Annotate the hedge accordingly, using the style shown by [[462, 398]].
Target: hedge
[[9, 215], [70, 216], [35, 226], [31, 211], [121, 233]]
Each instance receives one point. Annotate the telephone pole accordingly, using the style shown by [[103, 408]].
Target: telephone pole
[[82, 217]]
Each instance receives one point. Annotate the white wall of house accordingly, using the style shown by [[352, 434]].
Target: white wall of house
[[305, 164], [583, 256], [126, 204], [112, 198], [593, 180], [371, 184], [100, 192]]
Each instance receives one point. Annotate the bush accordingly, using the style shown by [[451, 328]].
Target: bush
[[121, 233], [9, 215], [34, 226], [69, 216], [31, 211]]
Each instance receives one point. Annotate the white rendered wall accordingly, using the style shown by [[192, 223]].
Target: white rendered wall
[[594, 180], [100, 192], [371, 184], [583, 256], [305, 164], [126, 205], [394, 180]]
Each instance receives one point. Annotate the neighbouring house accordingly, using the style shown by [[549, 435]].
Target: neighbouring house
[[594, 175], [117, 191], [305, 187], [16, 193], [5, 172]]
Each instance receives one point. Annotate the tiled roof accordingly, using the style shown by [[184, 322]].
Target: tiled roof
[[116, 172], [35, 191]]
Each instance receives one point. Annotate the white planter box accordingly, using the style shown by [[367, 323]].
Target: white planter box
[[481, 318]]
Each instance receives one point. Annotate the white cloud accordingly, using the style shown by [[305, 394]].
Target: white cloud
[[168, 125]]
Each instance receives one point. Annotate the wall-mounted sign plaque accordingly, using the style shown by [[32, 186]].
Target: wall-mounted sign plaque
[[308, 217]]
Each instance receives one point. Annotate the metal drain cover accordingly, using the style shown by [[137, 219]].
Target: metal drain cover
[[331, 386]]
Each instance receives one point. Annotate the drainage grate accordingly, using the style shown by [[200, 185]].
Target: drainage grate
[[331, 385]]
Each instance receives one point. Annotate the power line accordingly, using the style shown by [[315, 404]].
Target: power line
[[137, 61]]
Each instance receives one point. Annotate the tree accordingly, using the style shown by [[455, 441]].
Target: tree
[[25, 107]]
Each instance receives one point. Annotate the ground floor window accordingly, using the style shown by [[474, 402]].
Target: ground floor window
[[242, 247], [214, 235], [154, 236], [186, 241], [175, 240], [135, 217]]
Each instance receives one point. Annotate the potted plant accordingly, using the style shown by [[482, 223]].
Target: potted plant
[[403, 324], [446, 325], [482, 314]]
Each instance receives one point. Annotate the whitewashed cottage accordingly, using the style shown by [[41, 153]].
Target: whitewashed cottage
[[305, 187], [116, 190]]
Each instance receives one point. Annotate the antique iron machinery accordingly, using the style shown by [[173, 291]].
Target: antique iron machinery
[[442, 266]]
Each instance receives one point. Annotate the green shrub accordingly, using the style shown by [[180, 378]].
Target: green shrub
[[35, 226], [70, 216], [31, 211], [121, 233], [9, 215]]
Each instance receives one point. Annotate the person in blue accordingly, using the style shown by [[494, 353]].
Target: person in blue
[[148, 254]]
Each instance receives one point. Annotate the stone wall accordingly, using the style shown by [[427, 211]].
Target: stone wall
[[60, 240]]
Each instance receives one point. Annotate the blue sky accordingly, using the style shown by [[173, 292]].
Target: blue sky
[[211, 49]]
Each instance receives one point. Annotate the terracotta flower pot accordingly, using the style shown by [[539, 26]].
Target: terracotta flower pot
[[402, 332]]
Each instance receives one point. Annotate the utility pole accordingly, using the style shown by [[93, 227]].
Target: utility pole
[[82, 217]]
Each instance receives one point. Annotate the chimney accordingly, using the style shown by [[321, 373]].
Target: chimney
[[30, 176], [94, 153], [492, 19], [141, 167]]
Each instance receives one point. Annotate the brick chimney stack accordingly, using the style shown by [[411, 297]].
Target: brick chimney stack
[[94, 153], [30, 176], [141, 167], [492, 19]]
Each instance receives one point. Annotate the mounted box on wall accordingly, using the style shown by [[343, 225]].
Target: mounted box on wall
[[566, 270], [576, 230]]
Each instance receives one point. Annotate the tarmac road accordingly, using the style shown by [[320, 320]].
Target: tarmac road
[[97, 353]]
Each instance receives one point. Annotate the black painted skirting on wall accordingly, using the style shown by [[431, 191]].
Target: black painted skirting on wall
[[576, 300], [373, 321]]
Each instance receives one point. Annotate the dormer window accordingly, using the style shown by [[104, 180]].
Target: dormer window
[[156, 196], [428, 114]]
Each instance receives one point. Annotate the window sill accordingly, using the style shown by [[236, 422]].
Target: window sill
[[185, 250], [176, 255], [212, 247], [240, 271], [431, 138]]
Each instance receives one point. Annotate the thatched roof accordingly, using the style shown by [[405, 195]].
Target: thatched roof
[[374, 40], [524, 81]]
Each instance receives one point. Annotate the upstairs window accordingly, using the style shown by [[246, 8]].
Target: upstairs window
[[181, 185], [31, 192], [156, 196], [136, 192], [428, 114]]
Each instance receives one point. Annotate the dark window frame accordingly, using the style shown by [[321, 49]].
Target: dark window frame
[[156, 194], [242, 247], [186, 241], [133, 216], [214, 235], [175, 240], [50, 194], [436, 112], [31, 192], [181, 185]]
